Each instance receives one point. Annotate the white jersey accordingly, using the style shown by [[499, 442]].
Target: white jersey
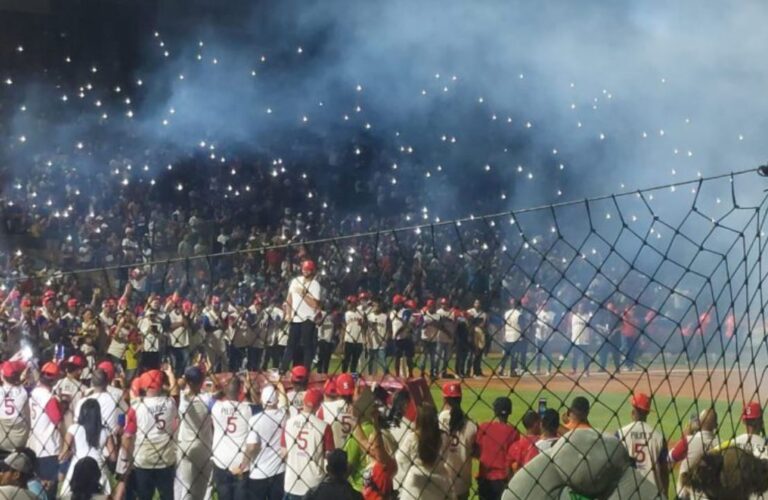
[[431, 326], [353, 326], [301, 310], [753, 443], [179, 336], [152, 421], [265, 429], [14, 417], [277, 334], [306, 439], [377, 330], [458, 455], [338, 414], [230, 430], [325, 332], [45, 416], [108, 407], [512, 330], [646, 446], [581, 333]]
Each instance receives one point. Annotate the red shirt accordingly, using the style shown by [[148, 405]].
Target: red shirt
[[520, 450], [377, 482], [494, 441]]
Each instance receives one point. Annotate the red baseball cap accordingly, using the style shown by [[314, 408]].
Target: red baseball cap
[[411, 304], [51, 369], [299, 374], [398, 299], [364, 295], [313, 398], [153, 379], [351, 299], [752, 411], [49, 293], [452, 390], [108, 368], [72, 303], [308, 266], [186, 306], [26, 303], [430, 303], [77, 361], [13, 368], [641, 401], [329, 389], [345, 385]]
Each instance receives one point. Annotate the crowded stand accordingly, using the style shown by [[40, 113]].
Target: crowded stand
[[336, 308]]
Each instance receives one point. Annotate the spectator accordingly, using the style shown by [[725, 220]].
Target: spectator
[[335, 484], [699, 438], [353, 332], [35, 485], [85, 482], [88, 438], [520, 450], [645, 444], [493, 442], [550, 427], [304, 300], [462, 434], [397, 428], [267, 475], [577, 415], [513, 339], [15, 472], [422, 455]]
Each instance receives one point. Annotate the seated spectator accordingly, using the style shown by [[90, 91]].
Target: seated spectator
[[335, 485]]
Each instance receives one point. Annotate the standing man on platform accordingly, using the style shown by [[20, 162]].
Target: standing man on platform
[[304, 303]]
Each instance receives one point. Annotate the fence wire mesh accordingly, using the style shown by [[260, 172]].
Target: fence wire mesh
[[608, 348]]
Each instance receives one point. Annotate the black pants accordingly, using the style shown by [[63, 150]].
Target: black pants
[[462, 354], [180, 359], [300, 350], [404, 349], [236, 356], [270, 488], [149, 480], [490, 489], [324, 352], [228, 486], [274, 356], [352, 352], [611, 348], [255, 355]]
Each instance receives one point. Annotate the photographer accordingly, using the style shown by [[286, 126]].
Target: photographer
[[153, 327]]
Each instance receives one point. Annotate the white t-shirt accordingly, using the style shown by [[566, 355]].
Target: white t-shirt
[[151, 333], [338, 414], [399, 326], [265, 429], [44, 438], [108, 407], [81, 448], [377, 330], [179, 337], [300, 310], [230, 430], [306, 439], [458, 455], [544, 323], [647, 447], [195, 425], [581, 333], [152, 420], [277, 334], [353, 326], [512, 331]]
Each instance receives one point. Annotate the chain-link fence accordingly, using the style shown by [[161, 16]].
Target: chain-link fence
[[609, 348]]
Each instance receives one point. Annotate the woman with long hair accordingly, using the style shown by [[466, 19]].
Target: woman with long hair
[[422, 456], [396, 429], [462, 434], [88, 438]]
